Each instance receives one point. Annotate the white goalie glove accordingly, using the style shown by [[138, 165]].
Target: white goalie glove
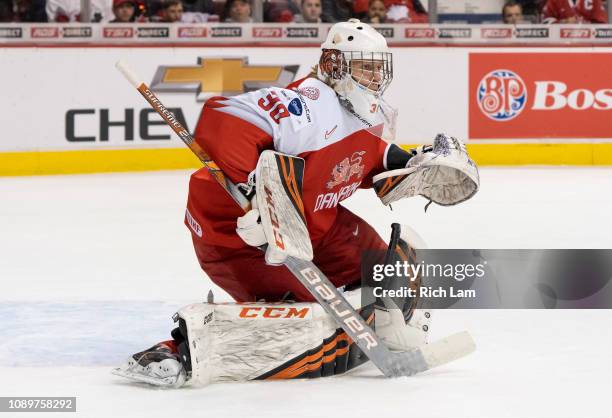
[[445, 175]]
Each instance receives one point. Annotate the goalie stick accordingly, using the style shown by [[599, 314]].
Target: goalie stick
[[391, 364]]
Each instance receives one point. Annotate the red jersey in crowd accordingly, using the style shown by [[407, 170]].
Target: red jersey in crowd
[[584, 11]]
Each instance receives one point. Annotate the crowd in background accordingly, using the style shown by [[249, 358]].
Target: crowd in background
[[285, 11]]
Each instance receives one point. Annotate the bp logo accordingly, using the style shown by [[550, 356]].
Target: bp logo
[[502, 95]]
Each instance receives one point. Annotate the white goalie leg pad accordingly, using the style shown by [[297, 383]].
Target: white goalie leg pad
[[420, 318], [239, 342], [396, 333], [391, 326]]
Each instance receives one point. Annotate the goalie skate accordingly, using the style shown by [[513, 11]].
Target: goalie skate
[[159, 365]]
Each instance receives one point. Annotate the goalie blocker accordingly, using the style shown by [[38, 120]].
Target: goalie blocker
[[279, 198]]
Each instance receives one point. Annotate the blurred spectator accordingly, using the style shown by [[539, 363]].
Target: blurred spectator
[[311, 12], [171, 11], [406, 11], [574, 11], [30, 10], [337, 10], [22, 11], [238, 11], [280, 11], [199, 6], [6, 11], [512, 13], [70, 10], [124, 11], [360, 9], [377, 12], [531, 9], [197, 17]]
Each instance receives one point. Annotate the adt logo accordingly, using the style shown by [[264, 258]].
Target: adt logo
[[502, 95]]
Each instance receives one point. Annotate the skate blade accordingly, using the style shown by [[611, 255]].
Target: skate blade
[[168, 382]]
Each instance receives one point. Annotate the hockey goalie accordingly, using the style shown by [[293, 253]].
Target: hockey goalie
[[316, 142]]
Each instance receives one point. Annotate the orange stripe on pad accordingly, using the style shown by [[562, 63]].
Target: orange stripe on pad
[[315, 361], [291, 182]]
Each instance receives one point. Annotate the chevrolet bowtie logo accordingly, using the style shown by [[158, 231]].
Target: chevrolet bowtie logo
[[221, 76]]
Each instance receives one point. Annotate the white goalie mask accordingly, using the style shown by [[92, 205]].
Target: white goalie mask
[[357, 63]]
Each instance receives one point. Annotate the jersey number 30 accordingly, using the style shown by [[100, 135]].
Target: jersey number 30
[[272, 104]]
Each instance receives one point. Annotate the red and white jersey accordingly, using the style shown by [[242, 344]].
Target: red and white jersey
[[70, 10], [589, 11], [340, 151]]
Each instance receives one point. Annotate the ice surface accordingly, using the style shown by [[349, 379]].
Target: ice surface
[[92, 268]]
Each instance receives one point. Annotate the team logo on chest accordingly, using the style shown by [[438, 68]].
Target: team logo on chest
[[347, 168]]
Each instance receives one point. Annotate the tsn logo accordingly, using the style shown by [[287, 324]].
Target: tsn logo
[[274, 312]]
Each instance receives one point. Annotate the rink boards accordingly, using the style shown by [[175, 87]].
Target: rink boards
[[67, 110]]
